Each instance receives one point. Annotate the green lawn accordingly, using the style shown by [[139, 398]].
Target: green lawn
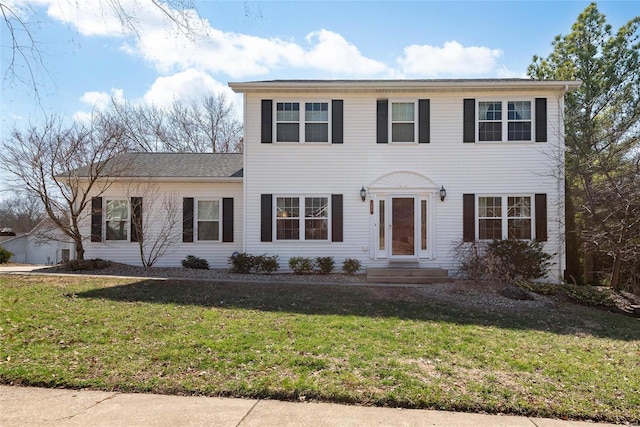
[[360, 345]]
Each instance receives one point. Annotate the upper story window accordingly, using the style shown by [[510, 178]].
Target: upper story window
[[312, 126], [493, 125], [403, 122], [208, 220], [504, 217], [117, 220]]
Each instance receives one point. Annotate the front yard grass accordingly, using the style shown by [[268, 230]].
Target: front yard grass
[[371, 346]]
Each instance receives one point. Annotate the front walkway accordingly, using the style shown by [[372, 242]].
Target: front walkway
[[21, 406]]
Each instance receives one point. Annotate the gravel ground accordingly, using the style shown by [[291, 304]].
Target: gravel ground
[[460, 292]]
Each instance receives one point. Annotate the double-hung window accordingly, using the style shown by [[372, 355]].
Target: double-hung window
[[493, 125], [117, 220], [504, 217], [302, 218], [403, 121], [312, 126], [208, 220]]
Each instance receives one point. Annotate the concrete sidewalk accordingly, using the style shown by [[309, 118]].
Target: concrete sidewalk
[[29, 406]]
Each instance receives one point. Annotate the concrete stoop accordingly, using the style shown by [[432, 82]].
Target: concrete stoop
[[407, 275]]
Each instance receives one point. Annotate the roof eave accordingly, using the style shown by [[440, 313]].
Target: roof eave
[[326, 85]]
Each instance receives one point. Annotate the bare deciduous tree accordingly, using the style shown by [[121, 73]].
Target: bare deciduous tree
[[206, 125], [21, 212], [62, 165], [155, 219], [24, 62]]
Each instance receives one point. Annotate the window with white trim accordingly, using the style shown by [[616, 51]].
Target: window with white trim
[[492, 125], [208, 220], [504, 217], [403, 121], [312, 126], [302, 218], [117, 220]]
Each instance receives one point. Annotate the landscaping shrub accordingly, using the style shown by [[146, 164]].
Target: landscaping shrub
[[302, 265], [245, 263], [502, 260], [196, 263], [86, 264], [517, 259], [266, 264], [5, 255], [324, 264], [351, 266], [242, 262]]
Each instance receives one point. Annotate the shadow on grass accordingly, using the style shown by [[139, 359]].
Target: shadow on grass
[[401, 303]]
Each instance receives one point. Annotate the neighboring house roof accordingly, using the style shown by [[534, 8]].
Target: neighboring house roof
[[175, 165], [424, 84]]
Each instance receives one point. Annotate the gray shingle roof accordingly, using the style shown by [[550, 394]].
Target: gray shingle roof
[[176, 165]]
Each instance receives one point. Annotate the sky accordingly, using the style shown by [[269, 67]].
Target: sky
[[85, 56]]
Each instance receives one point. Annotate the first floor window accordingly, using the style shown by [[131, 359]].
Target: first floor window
[[504, 217], [302, 218], [117, 220], [288, 218], [208, 224]]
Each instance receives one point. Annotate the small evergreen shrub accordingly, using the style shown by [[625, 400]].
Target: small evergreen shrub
[[86, 264], [302, 265], [242, 263], [266, 264], [324, 264], [503, 260], [351, 266], [517, 259], [5, 256], [196, 263]]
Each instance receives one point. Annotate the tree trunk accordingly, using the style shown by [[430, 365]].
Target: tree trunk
[[79, 249], [573, 271], [615, 271]]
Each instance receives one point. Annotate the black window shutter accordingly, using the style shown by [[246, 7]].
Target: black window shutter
[[96, 219], [187, 219], [469, 113], [541, 119], [227, 219], [382, 121], [424, 126], [337, 121], [468, 217], [266, 136], [266, 215], [336, 218], [541, 217], [136, 219]]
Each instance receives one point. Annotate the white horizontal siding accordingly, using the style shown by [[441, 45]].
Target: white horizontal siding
[[308, 169], [216, 253]]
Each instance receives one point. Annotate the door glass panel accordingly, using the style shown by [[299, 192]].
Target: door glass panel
[[403, 231], [382, 225], [423, 225]]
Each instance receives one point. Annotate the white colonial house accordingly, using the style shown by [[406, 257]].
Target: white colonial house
[[389, 172]]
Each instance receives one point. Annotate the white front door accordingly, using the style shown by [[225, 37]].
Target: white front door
[[400, 226]]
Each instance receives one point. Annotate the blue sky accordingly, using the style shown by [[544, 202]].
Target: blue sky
[[88, 57]]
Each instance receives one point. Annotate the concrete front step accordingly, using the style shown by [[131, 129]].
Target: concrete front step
[[407, 275]]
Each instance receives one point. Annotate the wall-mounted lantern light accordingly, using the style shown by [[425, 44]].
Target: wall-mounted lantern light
[[363, 194], [443, 193]]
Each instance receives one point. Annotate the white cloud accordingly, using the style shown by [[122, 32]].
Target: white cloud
[[157, 39], [185, 85], [451, 59]]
